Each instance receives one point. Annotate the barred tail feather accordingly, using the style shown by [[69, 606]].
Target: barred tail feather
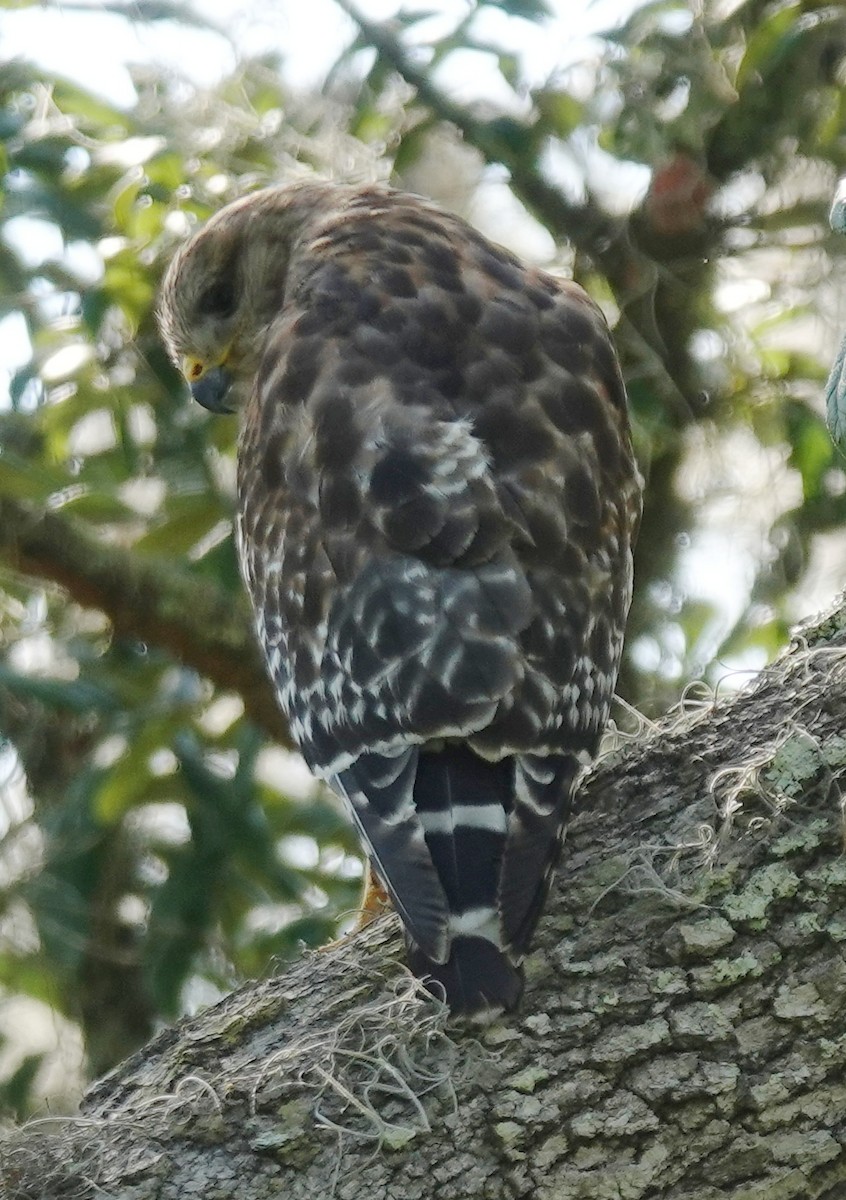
[[543, 792], [462, 802], [379, 792], [476, 977], [465, 848]]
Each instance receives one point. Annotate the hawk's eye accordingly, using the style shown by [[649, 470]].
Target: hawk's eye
[[218, 300]]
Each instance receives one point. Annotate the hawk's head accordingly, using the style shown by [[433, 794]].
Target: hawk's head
[[225, 286]]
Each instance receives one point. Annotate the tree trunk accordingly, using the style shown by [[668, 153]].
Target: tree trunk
[[682, 1035]]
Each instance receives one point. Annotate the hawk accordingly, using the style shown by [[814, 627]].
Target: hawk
[[437, 505]]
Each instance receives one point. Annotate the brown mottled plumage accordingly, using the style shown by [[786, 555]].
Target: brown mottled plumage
[[438, 500]]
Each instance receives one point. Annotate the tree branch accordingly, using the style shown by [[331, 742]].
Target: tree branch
[[585, 224], [681, 1036], [147, 599]]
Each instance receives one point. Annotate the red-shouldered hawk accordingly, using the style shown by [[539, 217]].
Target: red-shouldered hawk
[[437, 504]]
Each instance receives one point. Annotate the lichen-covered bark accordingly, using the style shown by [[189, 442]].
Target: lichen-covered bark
[[683, 1033]]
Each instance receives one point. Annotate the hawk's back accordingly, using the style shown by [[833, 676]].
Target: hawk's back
[[438, 503]]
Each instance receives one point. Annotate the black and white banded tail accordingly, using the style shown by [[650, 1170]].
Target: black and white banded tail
[[491, 831]]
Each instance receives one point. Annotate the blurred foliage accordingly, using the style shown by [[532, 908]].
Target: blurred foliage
[[154, 846]]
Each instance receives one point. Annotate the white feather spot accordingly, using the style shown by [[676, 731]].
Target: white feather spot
[[470, 816]]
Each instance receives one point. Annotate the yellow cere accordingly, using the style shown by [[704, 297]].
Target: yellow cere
[[192, 369]]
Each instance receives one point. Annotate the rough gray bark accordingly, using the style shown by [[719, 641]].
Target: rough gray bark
[[682, 1034]]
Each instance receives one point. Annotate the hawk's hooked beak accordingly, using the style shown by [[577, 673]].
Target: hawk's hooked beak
[[209, 388]]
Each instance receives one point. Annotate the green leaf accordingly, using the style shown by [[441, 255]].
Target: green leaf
[[127, 287], [560, 111], [124, 197], [28, 481], [16, 1090], [769, 41], [188, 521], [181, 916], [97, 507], [125, 784], [74, 696]]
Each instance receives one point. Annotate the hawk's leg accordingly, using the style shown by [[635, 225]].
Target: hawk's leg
[[374, 900]]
